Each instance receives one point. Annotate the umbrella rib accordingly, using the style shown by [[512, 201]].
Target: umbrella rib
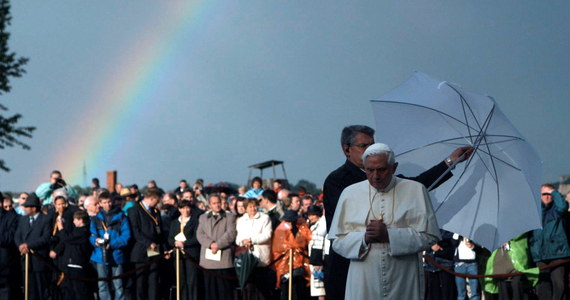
[[483, 129], [499, 159], [484, 163], [425, 107], [463, 105], [449, 170], [481, 136], [431, 144], [478, 149], [493, 158], [467, 163], [477, 145], [513, 138], [484, 137]]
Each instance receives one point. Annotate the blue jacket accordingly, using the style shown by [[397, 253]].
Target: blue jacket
[[253, 193], [550, 242], [119, 234]]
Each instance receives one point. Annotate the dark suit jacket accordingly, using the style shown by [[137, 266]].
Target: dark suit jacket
[[335, 183], [37, 237], [275, 218], [168, 214], [191, 246], [8, 250], [144, 232]]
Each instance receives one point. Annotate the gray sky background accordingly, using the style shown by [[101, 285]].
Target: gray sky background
[[250, 81]]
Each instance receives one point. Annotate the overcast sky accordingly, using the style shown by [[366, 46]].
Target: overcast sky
[[203, 89]]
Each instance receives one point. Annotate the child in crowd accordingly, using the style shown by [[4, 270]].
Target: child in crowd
[[74, 250]]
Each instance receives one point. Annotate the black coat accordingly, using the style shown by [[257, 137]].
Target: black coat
[[191, 245], [68, 226], [335, 183], [74, 246], [145, 231], [445, 255], [37, 237], [8, 250], [275, 218], [67, 217], [168, 214]]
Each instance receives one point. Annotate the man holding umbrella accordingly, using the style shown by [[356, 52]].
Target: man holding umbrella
[[354, 141]]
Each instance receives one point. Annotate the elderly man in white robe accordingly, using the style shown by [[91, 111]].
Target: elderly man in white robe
[[382, 224]]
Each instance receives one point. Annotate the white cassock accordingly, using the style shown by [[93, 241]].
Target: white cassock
[[389, 270]]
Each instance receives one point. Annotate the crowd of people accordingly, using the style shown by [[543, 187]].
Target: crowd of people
[[533, 265], [130, 238], [359, 239]]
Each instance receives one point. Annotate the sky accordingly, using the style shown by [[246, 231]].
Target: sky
[[167, 90]]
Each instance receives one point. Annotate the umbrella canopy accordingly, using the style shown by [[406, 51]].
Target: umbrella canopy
[[244, 264], [493, 196]]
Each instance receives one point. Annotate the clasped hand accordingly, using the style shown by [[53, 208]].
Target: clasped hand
[[376, 232]]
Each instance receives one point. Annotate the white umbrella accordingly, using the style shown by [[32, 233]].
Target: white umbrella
[[493, 196]]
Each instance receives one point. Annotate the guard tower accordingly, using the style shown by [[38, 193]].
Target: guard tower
[[268, 182]]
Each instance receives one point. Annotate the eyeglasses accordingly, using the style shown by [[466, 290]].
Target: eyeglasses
[[362, 146], [546, 194]]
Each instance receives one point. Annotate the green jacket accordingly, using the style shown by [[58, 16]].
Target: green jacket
[[520, 258]]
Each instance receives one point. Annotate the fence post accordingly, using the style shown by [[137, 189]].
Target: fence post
[[26, 275], [290, 274], [177, 274]]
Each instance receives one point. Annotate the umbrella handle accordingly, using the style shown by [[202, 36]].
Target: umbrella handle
[[432, 186]]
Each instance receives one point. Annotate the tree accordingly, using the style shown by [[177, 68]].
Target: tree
[[10, 66]]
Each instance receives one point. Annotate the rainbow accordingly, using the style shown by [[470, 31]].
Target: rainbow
[[125, 91]]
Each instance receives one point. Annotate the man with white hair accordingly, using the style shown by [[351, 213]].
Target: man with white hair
[[382, 224], [283, 193], [91, 205]]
